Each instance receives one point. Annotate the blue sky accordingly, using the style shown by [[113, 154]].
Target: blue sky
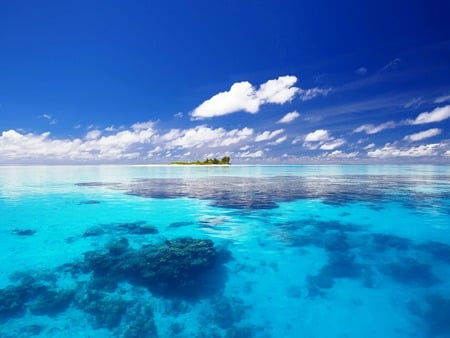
[[261, 81]]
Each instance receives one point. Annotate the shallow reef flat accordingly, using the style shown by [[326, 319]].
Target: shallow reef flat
[[145, 253]]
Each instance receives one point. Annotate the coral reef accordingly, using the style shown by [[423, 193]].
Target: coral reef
[[24, 232], [181, 267], [51, 302]]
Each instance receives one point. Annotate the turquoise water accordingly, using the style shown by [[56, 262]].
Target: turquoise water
[[239, 251]]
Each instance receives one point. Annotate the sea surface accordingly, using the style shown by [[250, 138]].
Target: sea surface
[[225, 251]]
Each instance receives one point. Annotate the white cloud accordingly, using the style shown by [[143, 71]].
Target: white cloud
[[142, 125], [423, 135], [40, 147], [48, 117], [93, 134], [309, 94], [243, 96], [321, 139], [418, 151], [318, 135], [268, 135], [204, 136], [289, 117], [414, 102], [332, 144], [373, 129], [442, 99], [178, 115], [437, 115], [280, 140], [369, 146], [338, 154], [111, 128], [247, 154], [278, 91]]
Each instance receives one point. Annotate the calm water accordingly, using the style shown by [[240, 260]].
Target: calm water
[[239, 251]]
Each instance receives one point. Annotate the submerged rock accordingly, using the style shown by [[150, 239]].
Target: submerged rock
[[88, 202], [24, 232], [411, 272], [137, 228], [433, 313], [52, 302], [180, 224], [106, 309], [141, 323], [228, 311], [183, 267], [94, 231], [12, 301]]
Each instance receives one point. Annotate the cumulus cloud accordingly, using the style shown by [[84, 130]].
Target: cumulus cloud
[[279, 140], [268, 135], [289, 117], [321, 139], [374, 129], [278, 91], [243, 96], [338, 154], [318, 135], [93, 147], [93, 134], [201, 136], [336, 143], [436, 115], [423, 135], [418, 151], [247, 154]]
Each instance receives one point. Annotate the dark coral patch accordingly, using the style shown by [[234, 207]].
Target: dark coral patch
[[411, 272], [383, 242], [182, 267], [89, 202], [52, 302], [433, 314], [24, 232], [438, 250], [136, 228], [107, 310]]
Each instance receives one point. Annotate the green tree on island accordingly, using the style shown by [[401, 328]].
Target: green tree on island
[[223, 161]]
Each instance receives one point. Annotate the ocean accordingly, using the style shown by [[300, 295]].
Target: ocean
[[225, 251]]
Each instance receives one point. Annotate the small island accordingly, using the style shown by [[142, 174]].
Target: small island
[[214, 161]]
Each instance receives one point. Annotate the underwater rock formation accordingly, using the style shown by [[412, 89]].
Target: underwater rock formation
[[180, 267], [89, 202], [24, 232], [411, 272], [227, 311], [137, 228], [51, 302], [106, 309]]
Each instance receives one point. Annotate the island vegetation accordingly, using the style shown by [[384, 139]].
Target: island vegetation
[[209, 161]]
